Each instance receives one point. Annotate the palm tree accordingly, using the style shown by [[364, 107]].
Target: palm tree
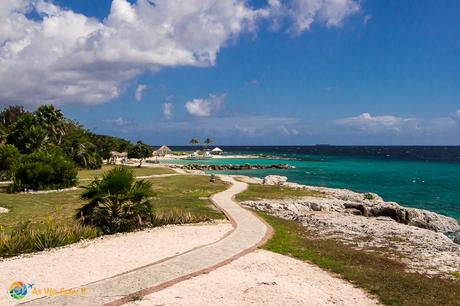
[[27, 135], [85, 155], [207, 142], [53, 120], [194, 141], [117, 202]]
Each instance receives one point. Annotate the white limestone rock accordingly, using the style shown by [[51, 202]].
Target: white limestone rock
[[274, 180]]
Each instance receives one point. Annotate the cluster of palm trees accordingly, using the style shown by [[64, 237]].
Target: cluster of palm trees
[[46, 129], [206, 142], [31, 131]]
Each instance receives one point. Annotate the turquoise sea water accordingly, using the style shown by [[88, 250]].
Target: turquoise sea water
[[433, 186]]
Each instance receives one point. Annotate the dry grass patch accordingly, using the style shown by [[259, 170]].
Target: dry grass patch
[[53, 232]]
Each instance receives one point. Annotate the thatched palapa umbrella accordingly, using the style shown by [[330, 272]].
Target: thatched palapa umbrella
[[116, 156], [162, 151]]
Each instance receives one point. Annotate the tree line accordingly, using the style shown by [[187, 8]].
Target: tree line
[[43, 149]]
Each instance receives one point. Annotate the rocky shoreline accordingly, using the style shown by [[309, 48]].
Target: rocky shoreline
[[201, 167], [415, 236]]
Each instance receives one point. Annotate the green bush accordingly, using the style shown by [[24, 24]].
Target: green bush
[[368, 196], [9, 154], [27, 238], [117, 203], [41, 171]]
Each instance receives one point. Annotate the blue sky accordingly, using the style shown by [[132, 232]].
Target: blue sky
[[358, 72]]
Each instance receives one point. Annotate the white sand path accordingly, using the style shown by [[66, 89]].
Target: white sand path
[[261, 278]]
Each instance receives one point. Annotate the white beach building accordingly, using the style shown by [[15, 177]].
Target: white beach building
[[217, 151]]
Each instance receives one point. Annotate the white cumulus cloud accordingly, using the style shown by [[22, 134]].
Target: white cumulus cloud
[[394, 125], [67, 57], [139, 92], [304, 12], [205, 107], [369, 123], [168, 110]]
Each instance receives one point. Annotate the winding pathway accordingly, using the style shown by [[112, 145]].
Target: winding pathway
[[249, 232]]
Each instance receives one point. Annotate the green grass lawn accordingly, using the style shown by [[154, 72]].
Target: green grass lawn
[[188, 193], [257, 192], [90, 174], [185, 193], [378, 274], [37, 207]]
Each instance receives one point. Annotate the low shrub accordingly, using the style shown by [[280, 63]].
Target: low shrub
[[368, 196], [41, 171], [117, 202], [27, 238], [9, 154]]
